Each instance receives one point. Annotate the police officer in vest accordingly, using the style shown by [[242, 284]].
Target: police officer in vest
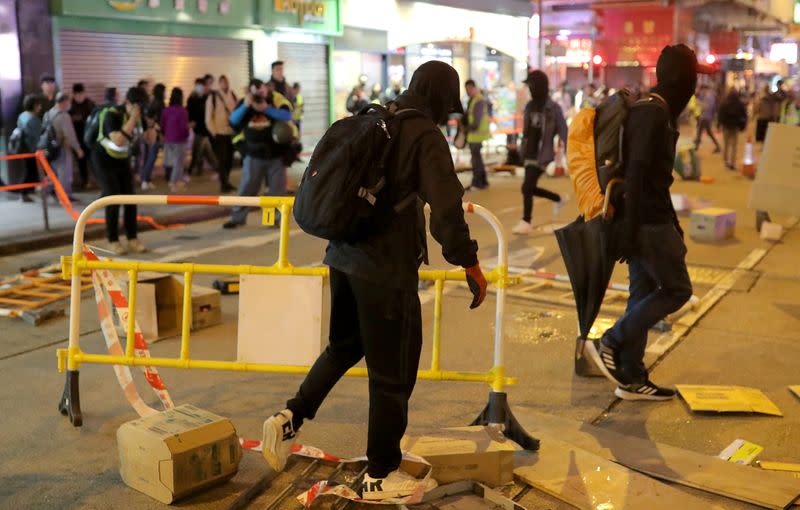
[[476, 123], [111, 159]]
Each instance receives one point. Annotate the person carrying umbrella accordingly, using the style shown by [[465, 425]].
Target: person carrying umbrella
[[651, 238]]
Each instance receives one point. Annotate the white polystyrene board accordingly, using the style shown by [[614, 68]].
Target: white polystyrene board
[[283, 320]]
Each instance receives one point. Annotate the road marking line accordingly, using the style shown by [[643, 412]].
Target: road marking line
[[666, 341]]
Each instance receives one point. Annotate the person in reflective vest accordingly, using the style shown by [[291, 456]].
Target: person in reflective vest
[[477, 125], [111, 161]]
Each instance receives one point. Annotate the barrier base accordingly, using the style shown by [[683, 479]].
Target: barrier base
[[70, 404], [497, 411]]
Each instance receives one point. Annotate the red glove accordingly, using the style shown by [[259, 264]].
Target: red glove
[[477, 285]]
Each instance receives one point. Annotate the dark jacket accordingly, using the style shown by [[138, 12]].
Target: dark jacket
[[733, 113], [422, 165], [539, 127], [80, 113], [282, 87], [256, 127], [196, 105]]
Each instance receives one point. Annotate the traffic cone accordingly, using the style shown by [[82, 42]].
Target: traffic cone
[[749, 162]]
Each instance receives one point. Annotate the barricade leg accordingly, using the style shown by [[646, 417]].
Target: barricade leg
[[498, 413], [70, 404]]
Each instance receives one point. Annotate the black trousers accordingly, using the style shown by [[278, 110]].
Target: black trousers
[[384, 326], [530, 189], [479, 179], [201, 151], [115, 179], [704, 126], [223, 150]]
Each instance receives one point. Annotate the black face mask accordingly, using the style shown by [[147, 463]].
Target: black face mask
[[539, 86], [676, 72], [437, 83]]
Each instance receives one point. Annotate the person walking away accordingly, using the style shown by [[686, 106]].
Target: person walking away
[[219, 106], [152, 139], [64, 165], [30, 123], [201, 146], [652, 239], [80, 110], [476, 122], [375, 308], [708, 109], [541, 122], [175, 126], [732, 118], [278, 81], [264, 157], [764, 113], [49, 87], [111, 161], [299, 108]]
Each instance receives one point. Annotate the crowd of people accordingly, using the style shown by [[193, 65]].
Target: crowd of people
[[116, 145]]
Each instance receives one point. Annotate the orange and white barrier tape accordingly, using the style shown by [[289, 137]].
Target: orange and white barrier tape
[[105, 284]]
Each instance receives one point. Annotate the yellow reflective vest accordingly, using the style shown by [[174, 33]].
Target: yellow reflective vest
[[482, 133]]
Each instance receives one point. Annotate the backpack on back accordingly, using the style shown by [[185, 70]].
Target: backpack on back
[[345, 183], [48, 140], [91, 133], [595, 149]]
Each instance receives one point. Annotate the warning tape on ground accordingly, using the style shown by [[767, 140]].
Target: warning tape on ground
[[106, 285]]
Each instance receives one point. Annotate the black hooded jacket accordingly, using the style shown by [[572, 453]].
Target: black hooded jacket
[[650, 139], [421, 165]]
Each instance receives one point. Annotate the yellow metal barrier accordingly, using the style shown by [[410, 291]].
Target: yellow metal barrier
[[72, 267]]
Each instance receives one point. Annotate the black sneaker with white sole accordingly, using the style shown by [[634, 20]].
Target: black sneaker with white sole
[[646, 391], [607, 360]]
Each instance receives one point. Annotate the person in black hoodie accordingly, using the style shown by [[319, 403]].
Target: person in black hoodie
[[652, 238], [375, 309], [732, 117], [201, 146]]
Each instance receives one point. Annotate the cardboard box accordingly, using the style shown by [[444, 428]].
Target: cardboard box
[[776, 186], [771, 231], [282, 320], [712, 224], [159, 305], [727, 399], [177, 452], [480, 454]]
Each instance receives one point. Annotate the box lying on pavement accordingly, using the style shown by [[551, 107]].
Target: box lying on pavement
[[159, 305], [712, 224], [176, 452], [480, 454]]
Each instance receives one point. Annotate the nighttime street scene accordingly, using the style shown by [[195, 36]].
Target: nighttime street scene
[[401, 254]]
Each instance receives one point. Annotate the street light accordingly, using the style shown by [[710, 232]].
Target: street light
[[597, 60], [711, 59]]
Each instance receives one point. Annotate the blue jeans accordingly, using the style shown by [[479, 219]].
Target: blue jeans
[[254, 172], [659, 286], [149, 155]]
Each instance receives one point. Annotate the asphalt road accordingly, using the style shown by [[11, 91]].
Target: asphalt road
[[750, 337]]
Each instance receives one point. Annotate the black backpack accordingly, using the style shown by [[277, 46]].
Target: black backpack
[[344, 185], [48, 140], [92, 130]]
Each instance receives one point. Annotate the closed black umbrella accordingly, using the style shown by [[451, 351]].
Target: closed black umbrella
[[590, 251]]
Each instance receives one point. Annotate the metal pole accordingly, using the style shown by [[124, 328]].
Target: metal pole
[[541, 35], [591, 56]]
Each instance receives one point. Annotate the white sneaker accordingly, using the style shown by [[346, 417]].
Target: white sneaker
[[557, 206], [397, 485], [522, 228], [135, 246], [117, 248], [277, 439], [146, 186]]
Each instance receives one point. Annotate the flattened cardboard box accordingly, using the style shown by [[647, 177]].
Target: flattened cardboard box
[[466, 453], [177, 452]]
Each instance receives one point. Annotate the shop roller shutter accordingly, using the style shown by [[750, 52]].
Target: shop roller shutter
[[308, 64], [100, 60]]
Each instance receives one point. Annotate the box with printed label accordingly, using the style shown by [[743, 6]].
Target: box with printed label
[[712, 224], [177, 452], [480, 454]]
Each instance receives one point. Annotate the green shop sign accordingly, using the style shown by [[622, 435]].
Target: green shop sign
[[224, 13], [318, 16]]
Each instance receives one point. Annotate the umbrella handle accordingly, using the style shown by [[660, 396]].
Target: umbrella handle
[[607, 199]]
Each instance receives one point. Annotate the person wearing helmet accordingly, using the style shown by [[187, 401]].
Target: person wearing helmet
[[264, 118]]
